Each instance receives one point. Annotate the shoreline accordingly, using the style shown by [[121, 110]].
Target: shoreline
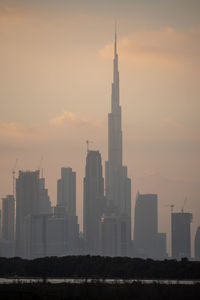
[[107, 281]]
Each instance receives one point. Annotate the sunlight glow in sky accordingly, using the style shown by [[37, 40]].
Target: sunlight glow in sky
[[55, 88]]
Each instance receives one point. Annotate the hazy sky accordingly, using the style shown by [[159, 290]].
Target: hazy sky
[[55, 89]]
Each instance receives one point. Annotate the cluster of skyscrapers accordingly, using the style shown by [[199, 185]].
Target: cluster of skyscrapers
[[31, 227]]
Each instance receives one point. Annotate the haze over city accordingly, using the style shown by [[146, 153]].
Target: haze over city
[[55, 93]]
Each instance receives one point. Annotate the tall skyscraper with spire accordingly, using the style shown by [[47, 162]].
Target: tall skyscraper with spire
[[118, 185]]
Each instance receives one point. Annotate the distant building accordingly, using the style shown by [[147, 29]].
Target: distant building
[[44, 203], [66, 191], [35, 236], [7, 248], [114, 235], [31, 199], [148, 242], [66, 208], [82, 249], [0, 225], [59, 211], [161, 246], [146, 224], [109, 235], [72, 230], [8, 218], [197, 245], [181, 235], [27, 202], [51, 235], [7, 226], [118, 185], [93, 201]]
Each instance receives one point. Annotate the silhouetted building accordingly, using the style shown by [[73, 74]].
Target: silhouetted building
[[148, 242], [118, 185], [114, 235], [35, 236], [66, 191], [72, 230], [82, 249], [161, 246], [59, 211], [31, 199], [109, 235], [0, 225], [51, 235], [197, 245], [8, 218], [146, 224], [93, 200], [180, 234], [66, 207], [27, 202], [44, 203], [7, 226], [7, 248]]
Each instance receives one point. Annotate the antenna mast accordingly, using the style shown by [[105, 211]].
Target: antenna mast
[[13, 176], [88, 144], [40, 168]]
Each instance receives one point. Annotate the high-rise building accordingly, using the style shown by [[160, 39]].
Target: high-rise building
[[181, 235], [161, 246], [118, 185], [66, 191], [44, 203], [0, 225], [109, 235], [7, 226], [93, 200], [148, 242], [27, 202], [197, 245], [146, 224], [71, 232], [35, 236], [8, 218], [114, 235], [50, 235], [31, 199]]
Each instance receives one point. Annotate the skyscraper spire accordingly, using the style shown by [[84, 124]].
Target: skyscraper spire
[[116, 173], [115, 43], [118, 185], [115, 85]]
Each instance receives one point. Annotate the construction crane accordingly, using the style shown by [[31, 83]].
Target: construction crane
[[183, 206], [13, 175], [172, 207], [40, 166], [88, 143]]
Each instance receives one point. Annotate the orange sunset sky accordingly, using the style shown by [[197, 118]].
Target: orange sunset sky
[[55, 90]]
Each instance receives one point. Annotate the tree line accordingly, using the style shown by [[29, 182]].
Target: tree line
[[99, 267]]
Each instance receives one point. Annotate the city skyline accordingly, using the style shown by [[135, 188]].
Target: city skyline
[[160, 169], [107, 220]]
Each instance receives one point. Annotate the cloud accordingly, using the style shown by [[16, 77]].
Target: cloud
[[172, 123], [11, 14], [10, 130], [172, 129], [69, 119], [68, 126], [165, 46]]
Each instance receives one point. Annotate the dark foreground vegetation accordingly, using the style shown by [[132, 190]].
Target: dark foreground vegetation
[[99, 267], [97, 291]]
